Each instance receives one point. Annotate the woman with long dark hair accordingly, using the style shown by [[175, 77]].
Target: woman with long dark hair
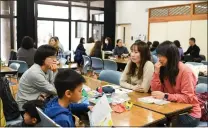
[[139, 70], [96, 50], [107, 45], [180, 50], [174, 81], [80, 50]]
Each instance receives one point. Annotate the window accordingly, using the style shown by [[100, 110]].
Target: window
[[78, 13], [96, 15], [97, 3], [7, 28]]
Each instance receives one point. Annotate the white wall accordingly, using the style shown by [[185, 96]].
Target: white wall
[[136, 13]]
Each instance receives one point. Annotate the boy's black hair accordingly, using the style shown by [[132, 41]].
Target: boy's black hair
[[30, 108], [67, 79], [43, 52], [193, 39]]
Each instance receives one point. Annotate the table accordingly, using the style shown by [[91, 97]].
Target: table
[[70, 65], [119, 60], [7, 70], [170, 109], [137, 116]]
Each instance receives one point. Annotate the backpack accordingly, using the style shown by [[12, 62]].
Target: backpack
[[203, 98], [10, 107]]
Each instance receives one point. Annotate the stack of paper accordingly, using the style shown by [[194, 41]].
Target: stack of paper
[[152, 100], [101, 113]]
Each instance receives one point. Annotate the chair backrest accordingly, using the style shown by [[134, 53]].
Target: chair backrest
[[97, 63], [202, 79], [205, 62], [194, 63], [14, 66], [45, 120], [2, 117], [202, 57], [110, 76], [87, 63], [110, 65], [201, 88], [23, 65]]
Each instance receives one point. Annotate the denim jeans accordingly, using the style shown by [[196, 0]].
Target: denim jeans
[[187, 121]]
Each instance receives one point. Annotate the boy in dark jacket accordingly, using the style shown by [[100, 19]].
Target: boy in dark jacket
[[68, 84]]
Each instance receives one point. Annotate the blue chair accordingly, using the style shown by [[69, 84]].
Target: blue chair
[[110, 76], [14, 66], [23, 65], [97, 64], [110, 65], [202, 79], [194, 63], [87, 63], [205, 62]]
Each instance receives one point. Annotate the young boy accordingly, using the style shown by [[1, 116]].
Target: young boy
[[68, 84], [31, 116]]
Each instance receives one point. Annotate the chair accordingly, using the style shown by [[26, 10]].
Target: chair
[[202, 57], [45, 120], [97, 64], [110, 65], [205, 62], [14, 66], [202, 88], [87, 63], [202, 79], [110, 76], [23, 65]]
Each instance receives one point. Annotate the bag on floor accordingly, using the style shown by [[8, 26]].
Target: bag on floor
[[10, 106], [203, 98]]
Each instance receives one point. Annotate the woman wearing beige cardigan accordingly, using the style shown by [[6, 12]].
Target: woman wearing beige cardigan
[[139, 70]]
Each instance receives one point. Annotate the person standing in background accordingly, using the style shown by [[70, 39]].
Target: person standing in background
[[27, 51], [154, 47], [80, 50]]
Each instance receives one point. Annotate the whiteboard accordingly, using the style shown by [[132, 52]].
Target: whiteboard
[[158, 32], [199, 32], [180, 30]]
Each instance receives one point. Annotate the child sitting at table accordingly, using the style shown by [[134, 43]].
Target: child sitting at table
[[68, 84]]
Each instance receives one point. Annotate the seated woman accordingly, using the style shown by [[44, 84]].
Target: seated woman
[[174, 81], [55, 43], [27, 51], [96, 50], [154, 47], [180, 50], [107, 45], [120, 49], [139, 70]]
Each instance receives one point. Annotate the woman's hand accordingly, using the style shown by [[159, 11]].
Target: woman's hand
[[157, 67], [53, 67], [158, 94]]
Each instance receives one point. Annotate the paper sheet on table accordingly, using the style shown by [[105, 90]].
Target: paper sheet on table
[[100, 112], [122, 91], [152, 100]]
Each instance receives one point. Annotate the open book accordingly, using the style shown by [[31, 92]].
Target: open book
[[151, 100]]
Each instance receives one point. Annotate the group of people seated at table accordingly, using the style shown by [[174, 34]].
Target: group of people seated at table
[[168, 79]]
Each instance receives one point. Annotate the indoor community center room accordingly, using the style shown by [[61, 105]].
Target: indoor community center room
[[103, 63]]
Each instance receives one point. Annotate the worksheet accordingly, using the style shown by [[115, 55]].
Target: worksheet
[[152, 100]]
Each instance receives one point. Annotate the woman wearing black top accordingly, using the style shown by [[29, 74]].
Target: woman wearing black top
[[107, 45], [79, 52]]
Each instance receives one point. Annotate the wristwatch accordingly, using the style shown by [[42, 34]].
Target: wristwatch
[[166, 96]]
